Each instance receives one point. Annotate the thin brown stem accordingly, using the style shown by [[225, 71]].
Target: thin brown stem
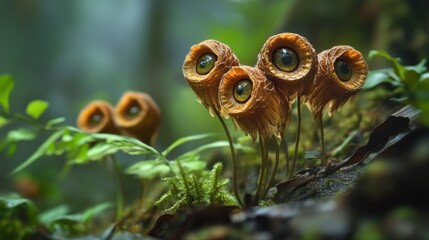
[[286, 157], [298, 133], [322, 139], [275, 167], [234, 160], [261, 178], [120, 193]]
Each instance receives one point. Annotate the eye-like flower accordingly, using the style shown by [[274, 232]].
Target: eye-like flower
[[138, 115], [203, 69], [97, 117], [253, 102], [342, 73], [290, 61]]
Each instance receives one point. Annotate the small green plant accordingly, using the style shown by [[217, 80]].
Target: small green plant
[[80, 147], [17, 217], [408, 84], [190, 190]]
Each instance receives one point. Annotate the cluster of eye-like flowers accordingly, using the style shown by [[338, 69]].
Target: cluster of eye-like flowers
[[136, 115], [258, 99]]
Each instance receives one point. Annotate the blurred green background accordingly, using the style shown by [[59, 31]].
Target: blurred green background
[[72, 52]]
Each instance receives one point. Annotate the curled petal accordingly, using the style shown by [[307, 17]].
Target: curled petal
[[206, 85], [301, 77], [97, 117], [329, 88], [261, 110], [138, 115]]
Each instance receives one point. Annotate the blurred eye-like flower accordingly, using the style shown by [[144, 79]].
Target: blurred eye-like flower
[[342, 73], [203, 69], [290, 61], [138, 115], [97, 117], [253, 102]]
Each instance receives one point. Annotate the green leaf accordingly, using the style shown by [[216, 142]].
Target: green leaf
[[21, 134], [53, 214], [40, 151], [411, 78], [83, 217], [397, 67], [419, 68], [218, 144], [183, 140], [11, 149], [375, 78], [13, 201], [17, 217], [93, 211], [36, 108], [420, 96], [148, 169], [188, 165], [55, 121], [3, 121], [6, 86]]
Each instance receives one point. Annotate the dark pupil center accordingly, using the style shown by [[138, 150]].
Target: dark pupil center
[[344, 68], [133, 110], [286, 57], [205, 60], [96, 118], [240, 88]]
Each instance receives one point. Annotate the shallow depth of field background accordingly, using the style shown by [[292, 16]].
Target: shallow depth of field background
[[72, 52]]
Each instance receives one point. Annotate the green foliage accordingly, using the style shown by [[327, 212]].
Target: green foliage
[[198, 189], [60, 221], [36, 108], [6, 86], [409, 84], [17, 217]]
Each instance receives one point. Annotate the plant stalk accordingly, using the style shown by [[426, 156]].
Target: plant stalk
[[298, 134], [234, 160], [275, 167], [262, 170], [287, 158], [322, 139], [120, 193]]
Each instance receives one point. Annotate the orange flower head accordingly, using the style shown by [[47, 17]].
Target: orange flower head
[[289, 61], [203, 69], [138, 116], [253, 103], [341, 74], [97, 117]]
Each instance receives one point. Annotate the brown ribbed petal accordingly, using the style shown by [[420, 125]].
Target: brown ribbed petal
[[138, 116], [264, 113], [206, 85], [302, 77], [328, 89], [97, 117]]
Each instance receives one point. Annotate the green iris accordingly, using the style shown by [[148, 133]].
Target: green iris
[[285, 59], [242, 90], [133, 110], [206, 63], [343, 70]]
